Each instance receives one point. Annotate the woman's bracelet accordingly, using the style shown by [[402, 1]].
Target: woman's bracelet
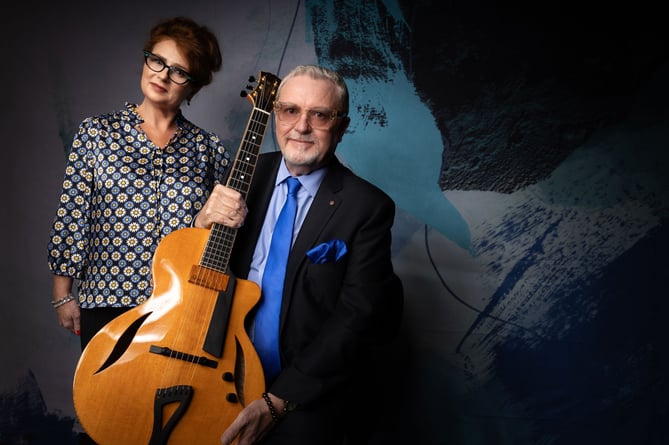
[[270, 405], [66, 299]]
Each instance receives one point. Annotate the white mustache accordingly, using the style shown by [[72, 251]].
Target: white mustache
[[301, 140]]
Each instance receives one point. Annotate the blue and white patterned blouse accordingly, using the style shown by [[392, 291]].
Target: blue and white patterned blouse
[[121, 195]]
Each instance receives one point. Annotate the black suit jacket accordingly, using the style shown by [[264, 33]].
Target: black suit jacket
[[334, 316]]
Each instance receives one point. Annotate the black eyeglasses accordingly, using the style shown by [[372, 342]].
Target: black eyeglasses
[[319, 119], [175, 74]]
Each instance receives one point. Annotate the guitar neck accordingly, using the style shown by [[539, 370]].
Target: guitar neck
[[248, 152], [217, 252]]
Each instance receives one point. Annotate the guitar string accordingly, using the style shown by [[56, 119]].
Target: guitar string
[[194, 303], [204, 299], [192, 298], [225, 236]]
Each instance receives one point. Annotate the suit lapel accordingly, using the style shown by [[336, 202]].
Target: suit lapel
[[325, 204]]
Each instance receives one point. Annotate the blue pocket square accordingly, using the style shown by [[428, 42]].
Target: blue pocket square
[[327, 252]]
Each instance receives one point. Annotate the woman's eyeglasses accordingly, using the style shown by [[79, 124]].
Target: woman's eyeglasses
[[174, 73]]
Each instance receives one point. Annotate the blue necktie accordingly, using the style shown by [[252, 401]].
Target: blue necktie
[[266, 335]]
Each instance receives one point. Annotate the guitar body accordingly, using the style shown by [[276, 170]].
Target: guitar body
[[128, 389]]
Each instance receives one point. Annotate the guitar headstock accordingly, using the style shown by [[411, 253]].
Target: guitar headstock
[[264, 93]]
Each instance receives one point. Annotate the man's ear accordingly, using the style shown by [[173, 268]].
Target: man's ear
[[345, 121]]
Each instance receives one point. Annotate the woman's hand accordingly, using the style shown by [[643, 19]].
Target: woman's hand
[[68, 316], [68, 312]]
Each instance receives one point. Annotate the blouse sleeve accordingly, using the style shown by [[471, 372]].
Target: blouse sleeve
[[69, 238], [221, 158]]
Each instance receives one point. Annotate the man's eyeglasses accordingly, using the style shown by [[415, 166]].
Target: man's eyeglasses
[[319, 119], [175, 74]]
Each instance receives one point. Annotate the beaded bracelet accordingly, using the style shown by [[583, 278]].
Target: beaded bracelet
[[270, 405], [66, 299]]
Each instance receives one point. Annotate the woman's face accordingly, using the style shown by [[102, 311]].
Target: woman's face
[[157, 87]]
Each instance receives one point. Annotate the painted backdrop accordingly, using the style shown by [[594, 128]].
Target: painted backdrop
[[526, 147]]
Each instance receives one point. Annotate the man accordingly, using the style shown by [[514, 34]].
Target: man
[[341, 301]]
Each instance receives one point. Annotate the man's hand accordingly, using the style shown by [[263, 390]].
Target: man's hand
[[253, 422], [224, 206]]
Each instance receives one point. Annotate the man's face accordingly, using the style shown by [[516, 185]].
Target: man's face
[[305, 131]]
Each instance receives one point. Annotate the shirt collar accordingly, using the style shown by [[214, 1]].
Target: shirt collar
[[135, 118], [310, 182]]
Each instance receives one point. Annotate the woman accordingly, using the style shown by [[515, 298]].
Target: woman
[[132, 177]]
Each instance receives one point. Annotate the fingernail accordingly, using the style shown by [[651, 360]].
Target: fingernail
[[78, 332]]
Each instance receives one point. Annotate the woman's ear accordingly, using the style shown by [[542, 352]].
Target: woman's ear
[[193, 91]]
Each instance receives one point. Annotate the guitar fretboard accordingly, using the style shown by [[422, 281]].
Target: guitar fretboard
[[249, 150], [217, 252]]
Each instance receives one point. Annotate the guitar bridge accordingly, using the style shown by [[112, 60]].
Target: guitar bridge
[[190, 358]]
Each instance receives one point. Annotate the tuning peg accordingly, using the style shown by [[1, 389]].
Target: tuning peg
[[252, 79], [243, 93]]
